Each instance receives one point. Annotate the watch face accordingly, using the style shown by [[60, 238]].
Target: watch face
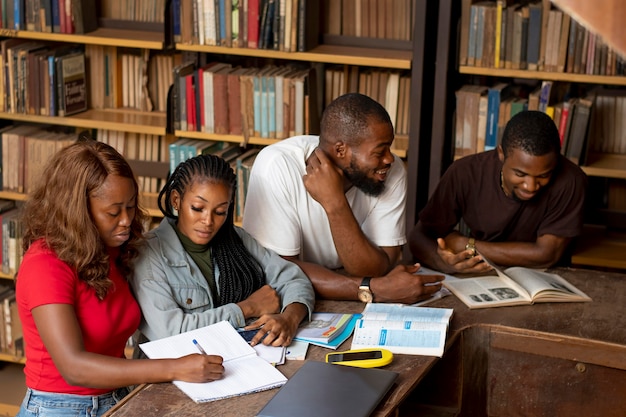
[[365, 295]]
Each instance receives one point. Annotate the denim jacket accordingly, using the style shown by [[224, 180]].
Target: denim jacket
[[174, 295]]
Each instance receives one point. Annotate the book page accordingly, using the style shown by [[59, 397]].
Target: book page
[[488, 291], [545, 285], [401, 312], [217, 339], [241, 376], [402, 329], [416, 338]]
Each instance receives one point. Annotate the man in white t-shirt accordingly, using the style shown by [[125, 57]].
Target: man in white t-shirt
[[337, 201]]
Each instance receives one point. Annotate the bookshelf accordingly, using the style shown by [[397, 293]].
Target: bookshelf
[[598, 246], [156, 123]]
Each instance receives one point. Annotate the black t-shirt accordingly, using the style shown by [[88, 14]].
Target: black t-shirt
[[470, 189]]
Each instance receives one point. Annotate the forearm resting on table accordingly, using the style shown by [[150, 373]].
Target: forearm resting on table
[[543, 253], [328, 284]]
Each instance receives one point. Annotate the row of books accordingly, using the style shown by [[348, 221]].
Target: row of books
[[533, 36], [11, 333], [268, 102], [129, 78], [380, 19], [285, 25], [137, 10], [240, 159], [139, 147], [482, 113], [389, 88], [42, 79], [608, 122], [58, 16], [25, 150]]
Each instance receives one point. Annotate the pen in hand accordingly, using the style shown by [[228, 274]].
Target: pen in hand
[[195, 342]]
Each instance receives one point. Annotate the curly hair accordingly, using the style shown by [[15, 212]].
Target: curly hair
[[532, 132], [240, 273], [58, 211], [348, 117]]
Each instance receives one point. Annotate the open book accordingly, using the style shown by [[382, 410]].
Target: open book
[[402, 329], [514, 286], [244, 371]]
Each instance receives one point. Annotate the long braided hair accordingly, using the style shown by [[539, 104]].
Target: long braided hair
[[240, 273]]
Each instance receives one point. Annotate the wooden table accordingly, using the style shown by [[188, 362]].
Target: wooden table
[[539, 330]]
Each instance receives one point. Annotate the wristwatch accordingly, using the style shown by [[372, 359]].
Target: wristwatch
[[471, 245], [365, 293]]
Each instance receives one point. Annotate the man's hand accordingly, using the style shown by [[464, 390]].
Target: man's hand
[[463, 261], [323, 180], [402, 285]]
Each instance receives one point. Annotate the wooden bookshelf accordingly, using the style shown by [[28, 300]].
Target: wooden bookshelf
[[125, 120], [10, 358], [327, 54], [605, 165], [600, 249], [544, 75], [101, 36]]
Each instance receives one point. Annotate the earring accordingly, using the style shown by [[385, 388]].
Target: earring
[[175, 211]]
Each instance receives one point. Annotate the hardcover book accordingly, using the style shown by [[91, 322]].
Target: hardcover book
[[514, 286], [73, 80]]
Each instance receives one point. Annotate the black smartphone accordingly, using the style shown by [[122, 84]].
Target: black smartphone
[[354, 356], [249, 334]]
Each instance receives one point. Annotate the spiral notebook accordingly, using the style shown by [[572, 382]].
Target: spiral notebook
[[322, 389]]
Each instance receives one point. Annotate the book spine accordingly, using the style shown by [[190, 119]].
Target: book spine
[[175, 10], [253, 24], [56, 16]]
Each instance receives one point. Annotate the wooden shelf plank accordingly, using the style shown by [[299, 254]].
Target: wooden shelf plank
[[101, 36], [10, 358], [125, 120], [606, 165], [329, 54], [225, 138], [544, 75], [599, 248]]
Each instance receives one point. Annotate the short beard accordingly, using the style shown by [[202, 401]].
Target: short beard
[[360, 180]]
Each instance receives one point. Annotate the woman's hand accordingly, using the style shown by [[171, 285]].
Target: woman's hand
[[278, 329], [198, 368], [265, 300]]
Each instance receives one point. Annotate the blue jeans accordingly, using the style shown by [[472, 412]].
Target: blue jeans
[[50, 404]]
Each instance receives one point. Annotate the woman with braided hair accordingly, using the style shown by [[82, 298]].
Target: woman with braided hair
[[196, 268]]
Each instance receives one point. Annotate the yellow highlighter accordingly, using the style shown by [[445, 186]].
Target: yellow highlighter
[[362, 358]]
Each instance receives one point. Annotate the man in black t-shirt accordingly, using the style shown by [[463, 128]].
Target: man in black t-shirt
[[522, 202]]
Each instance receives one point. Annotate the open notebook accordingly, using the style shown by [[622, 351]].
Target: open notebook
[[244, 370]]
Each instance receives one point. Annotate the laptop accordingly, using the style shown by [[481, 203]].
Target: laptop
[[322, 389]]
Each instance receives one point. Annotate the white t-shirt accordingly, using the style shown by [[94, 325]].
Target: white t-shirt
[[282, 216]]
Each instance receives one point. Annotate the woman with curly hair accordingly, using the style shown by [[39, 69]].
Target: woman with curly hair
[[82, 229], [197, 268]]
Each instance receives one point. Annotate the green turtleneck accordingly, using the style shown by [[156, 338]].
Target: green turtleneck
[[201, 255]]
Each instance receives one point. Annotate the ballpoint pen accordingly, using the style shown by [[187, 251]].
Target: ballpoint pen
[[195, 342]]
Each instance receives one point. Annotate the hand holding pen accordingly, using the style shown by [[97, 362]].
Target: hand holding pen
[[199, 368]]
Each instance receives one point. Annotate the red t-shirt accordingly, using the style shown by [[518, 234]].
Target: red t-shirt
[[106, 325]]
